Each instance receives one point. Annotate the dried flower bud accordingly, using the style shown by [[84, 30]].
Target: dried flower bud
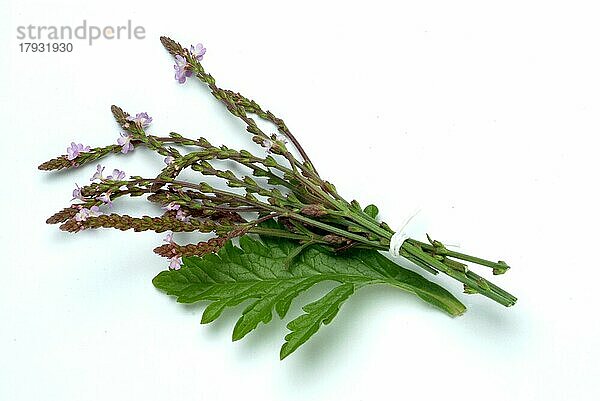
[[314, 210], [199, 249], [57, 163], [336, 239], [120, 115], [172, 47], [145, 223], [64, 215]]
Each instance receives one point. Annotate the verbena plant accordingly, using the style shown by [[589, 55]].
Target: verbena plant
[[294, 229]]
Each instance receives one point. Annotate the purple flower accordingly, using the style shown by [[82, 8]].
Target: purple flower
[[171, 206], [77, 193], [84, 213], [75, 149], [117, 175], [175, 263], [169, 160], [181, 70], [125, 142], [197, 51], [105, 198], [141, 119], [181, 215], [169, 238], [98, 174]]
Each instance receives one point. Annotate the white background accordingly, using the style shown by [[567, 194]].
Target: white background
[[483, 114]]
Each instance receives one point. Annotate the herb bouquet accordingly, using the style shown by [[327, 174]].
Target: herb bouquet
[[294, 229]]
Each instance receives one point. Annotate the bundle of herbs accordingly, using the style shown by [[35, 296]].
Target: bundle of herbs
[[293, 228]]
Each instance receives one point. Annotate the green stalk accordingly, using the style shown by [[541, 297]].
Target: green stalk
[[462, 256], [472, 280]]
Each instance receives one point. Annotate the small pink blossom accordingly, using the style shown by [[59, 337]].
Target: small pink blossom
[[84, 213], [181, 69], [175, 263], [77, 193], [105, 198], [141, 119], [75, 150], [181, 215], [171, 206], [198, 51], [269, 143], [169, 160], [98, 174], [125, 142], [117, 175], [169, 238]]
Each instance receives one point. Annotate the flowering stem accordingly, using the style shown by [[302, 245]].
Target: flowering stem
[[252, 107], [308, 209]]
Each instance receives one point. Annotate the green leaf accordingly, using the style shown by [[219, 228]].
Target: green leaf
[[320, 311], [372, 211], [257, 271]]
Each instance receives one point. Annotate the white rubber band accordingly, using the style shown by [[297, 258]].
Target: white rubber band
[[396, 242], [400, 236]]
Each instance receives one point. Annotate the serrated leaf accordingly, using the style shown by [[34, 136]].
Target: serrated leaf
[[320, 311], [256, 271]]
